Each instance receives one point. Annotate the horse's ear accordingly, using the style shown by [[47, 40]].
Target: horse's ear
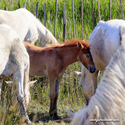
[[80, 45], [95, 113]]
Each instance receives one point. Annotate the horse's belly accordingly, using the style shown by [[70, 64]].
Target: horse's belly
[[38, 70], [37, 73]]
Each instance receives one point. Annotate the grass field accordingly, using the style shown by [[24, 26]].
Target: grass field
[[70, 94]]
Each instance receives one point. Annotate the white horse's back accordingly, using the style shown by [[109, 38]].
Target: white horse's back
[[27, 27]]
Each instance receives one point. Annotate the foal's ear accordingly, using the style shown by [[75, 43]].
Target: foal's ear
[[80, 45]]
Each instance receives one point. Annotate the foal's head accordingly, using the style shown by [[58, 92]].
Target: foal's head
[[85, 56]]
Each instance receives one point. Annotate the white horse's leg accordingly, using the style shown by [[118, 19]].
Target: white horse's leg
[[21, 86], [26, 93], [26, 86]]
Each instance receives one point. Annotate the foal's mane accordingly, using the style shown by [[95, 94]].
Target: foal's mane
[[74, 42]]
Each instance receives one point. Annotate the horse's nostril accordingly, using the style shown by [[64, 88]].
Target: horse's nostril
[[92, 69]]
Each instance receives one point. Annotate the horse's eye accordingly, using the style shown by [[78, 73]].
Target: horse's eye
[[87, 55]]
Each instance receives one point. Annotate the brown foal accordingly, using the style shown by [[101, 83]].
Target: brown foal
[[52, 62]]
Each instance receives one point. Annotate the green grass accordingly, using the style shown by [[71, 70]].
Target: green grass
[[70, 94]]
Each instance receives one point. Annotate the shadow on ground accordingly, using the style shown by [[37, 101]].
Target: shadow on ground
[[42, 117]]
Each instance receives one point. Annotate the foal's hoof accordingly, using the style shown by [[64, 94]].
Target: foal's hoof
[[55, 116]]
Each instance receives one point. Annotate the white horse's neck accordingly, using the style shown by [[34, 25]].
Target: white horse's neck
[[44, 35], [110, 94]]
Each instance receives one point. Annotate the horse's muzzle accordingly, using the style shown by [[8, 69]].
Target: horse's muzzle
[[92, 69]]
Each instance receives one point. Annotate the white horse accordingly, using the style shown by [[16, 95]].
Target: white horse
[[104, 40], [107, 105], [27, 26], [14, 63]]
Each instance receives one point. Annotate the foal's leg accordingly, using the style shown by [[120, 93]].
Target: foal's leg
[[52, 80], [54, 89], [56, 97]]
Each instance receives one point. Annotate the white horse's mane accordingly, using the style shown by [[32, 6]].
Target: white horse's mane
[[49, 38], [110, 94]]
